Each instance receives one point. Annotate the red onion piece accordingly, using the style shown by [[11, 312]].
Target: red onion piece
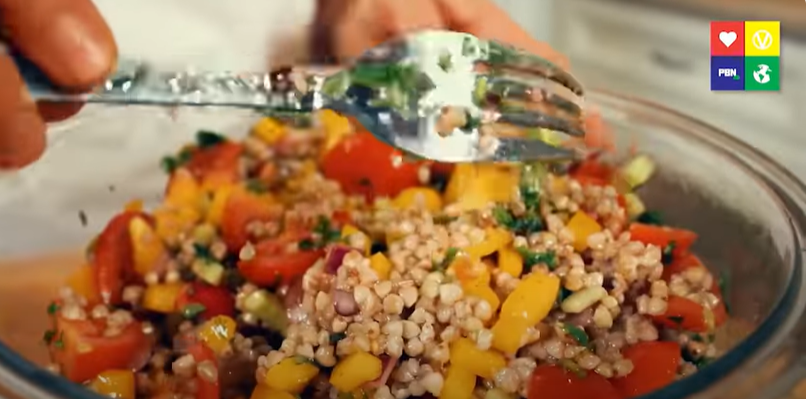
[[388, 364], [334, 259], [344, 303], [294, 293]]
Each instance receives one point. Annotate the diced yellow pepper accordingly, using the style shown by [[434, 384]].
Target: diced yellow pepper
[[349, 230], [218, 332], [381, 265], [464, 353], [217, 207], [526, 306], [135, 205], [162, 298], [262, 391], [269, 130], [508, 334], [582, 226], [468, 270], [290, 375], [83, 283], [118, 384], [183, 190], [474, 186], [496, 238], [424, 197], [147, 247], [171, 223], [355, 370], [459, 383], [509, 261], [483, 291], [336, 127]]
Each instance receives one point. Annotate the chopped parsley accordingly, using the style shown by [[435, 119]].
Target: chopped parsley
[[562, 295], [59, 343], [324, 235], [192, 310], [171, 163], [531, 258], [445, 61], [207, 138], [304, 360], [336, 337], [527, 224], [577, 333], [472, 123], [668, 253], [452, 252], [49, 336], [202, 252], [698, 361], [53, 307], [654, 218]]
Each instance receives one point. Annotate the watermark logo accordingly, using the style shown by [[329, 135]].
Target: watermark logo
[[745, 55]]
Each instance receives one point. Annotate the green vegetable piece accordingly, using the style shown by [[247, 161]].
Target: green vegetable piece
[[445, 61], [654, 218], [531, 258], [48, 336], [53, 307], [577, 334], [193, 310], [208, 271], [442, 266], [207, 138], [336, 337], [267, 308], [638, 171], [668, 253], [497, 393]]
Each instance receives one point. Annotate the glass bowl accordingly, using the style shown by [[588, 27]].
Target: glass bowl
[[748, 210]]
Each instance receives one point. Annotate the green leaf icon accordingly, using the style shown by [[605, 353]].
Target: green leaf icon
[[736, 77]]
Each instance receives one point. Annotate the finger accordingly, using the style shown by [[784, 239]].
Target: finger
[[68, 40], [22, 132], [55, 112], [368, 23], [486, 20]]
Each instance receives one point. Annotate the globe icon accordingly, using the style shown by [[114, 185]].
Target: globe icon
[[762, 75]]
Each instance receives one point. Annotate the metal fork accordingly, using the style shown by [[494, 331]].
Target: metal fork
[[401, 91]]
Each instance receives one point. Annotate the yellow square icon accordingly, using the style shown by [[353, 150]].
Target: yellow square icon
[[762, 38]]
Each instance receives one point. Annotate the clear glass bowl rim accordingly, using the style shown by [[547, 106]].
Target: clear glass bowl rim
[[28, 380]]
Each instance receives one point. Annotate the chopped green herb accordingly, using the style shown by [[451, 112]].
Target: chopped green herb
[[193, 310], [303, 360], [442, 266], [60, 342], [336, 337], [703, 361], [327, 234], [531, 258], [562, 295], [577, 334], [529, 223], [503, 216], [307, 244], [668, 253], [48, 336], [207, 138], [202, 252], [651, 217], [676, 319], [472, 123], [445, 61], [169, 164], [530, 197], [53, 307], [570, 365]]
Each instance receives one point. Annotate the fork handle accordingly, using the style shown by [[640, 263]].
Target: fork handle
[[135, 82]]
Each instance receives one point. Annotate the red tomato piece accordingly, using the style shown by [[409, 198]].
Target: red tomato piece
[[273, 264], [219, 162], [241, 209], [597, 134], [113, 258], [683, 313], [655, 366], [366, 166], [593, 172], [206, 389], [662, 236], [550, 381], [216, 300], [688, 261], [82, 351]]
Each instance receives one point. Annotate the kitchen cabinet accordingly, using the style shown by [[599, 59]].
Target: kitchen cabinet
[[665, 57]]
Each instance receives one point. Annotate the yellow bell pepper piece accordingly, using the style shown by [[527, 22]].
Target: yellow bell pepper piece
[[217, 333], [83, 283], [183, 190], [262, 391], [355, 370], [468, 270], [459, 383], [509, 261], [476, 186], [349, 230], [582, 226], [162, 298], [147, 247], [118, 384], [526, 306], [336, 127], [428, 199], [171, 223], [135, 205], [217, 207], [290, 375], [496, 238], [483, 291], [381, 265], [464, 353], [269, 130]]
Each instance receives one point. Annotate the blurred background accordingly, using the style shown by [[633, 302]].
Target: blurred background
[[660, 50]]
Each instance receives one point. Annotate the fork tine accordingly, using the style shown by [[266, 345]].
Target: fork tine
[[518, 88], [502, 55], [520, 149], [536, 119]]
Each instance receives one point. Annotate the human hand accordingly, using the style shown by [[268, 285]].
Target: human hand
[[70, 42], [354, 26]]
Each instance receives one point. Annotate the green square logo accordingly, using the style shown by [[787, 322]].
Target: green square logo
[[762, 73]]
